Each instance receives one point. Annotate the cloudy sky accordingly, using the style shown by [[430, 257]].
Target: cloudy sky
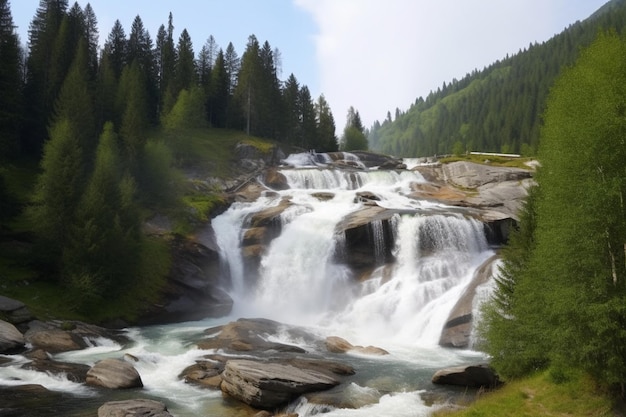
[[375, 55]]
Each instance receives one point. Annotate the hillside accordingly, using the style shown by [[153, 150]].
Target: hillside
[[497, 109]]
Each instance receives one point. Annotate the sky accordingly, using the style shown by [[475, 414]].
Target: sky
[[374, 55]]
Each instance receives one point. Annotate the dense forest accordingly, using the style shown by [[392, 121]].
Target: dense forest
[[560, 302], [105, 124], [497, 109]]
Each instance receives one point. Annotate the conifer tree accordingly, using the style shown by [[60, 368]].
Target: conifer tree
[[218, 95], [326, 138], [10, 84], [103, 245]]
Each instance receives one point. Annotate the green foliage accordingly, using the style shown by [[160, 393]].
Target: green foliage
[[458, 149], [59, 186], [353, 140], [104, 238], [188, 112], [539, 395], [562, 295]]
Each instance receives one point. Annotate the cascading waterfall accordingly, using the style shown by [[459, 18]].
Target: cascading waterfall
[[423, 257]]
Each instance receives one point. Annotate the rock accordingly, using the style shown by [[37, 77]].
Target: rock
[[28, 400], [472, 376], [55, 340], [458, 328], [72, 371], [114, 374], [62, 336], [471, 175], [275, 179], [204, 373], [246, 335], [193, 291], [337, 344], [267, 385], [14, 311], [132, 408], [11, 339]]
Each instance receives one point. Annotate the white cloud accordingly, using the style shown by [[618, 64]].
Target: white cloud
[[378, 55]]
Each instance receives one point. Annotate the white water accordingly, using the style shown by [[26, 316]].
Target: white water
[[402, 307]]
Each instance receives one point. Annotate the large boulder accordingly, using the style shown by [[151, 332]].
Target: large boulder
[[246, 335], [114, 374], [14, 311], [132, 408], [471, 175], [11, 339], [72, 371], [471, 376], [268, 385], [62, 336]]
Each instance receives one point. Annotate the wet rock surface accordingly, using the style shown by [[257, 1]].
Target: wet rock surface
[[114, 374], [472, 376], [134, 408], [267, 385]]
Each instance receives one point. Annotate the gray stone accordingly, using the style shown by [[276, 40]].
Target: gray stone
[[14, 311], [267, 385], [132, 408], [114, 374], [10, 338], [472, 376]]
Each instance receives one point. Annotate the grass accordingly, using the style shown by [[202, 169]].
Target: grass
[[490, 160], [540, 395]]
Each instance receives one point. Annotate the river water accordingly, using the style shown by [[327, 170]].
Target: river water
[[402, 307]]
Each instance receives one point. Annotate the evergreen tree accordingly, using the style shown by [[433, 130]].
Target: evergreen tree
[[354, 133], [292, 125], [115, 48], [10, 84], [327, 141], [132, 102], [218, 96], [38, 92], [308, 119], [91, 34], [103, 247], [75, 103], [59, 188], [186, 75]]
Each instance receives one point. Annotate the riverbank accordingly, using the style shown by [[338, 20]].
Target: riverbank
[[547, 393]]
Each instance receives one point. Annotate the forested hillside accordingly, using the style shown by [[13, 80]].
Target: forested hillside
[[497, 109], [92, 133]]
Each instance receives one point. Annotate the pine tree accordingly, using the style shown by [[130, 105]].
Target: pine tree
[[10, 84], [218, 96], [132, 104], [38, 91], [102, 251], [186, 75], [59, 188], [327, 140], [115, 48]]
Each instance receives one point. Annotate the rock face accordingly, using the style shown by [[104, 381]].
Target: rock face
[[132, 408], [114, 374], [193, 291], [267, 385], [457, 330], [473, 376], [10, 338]]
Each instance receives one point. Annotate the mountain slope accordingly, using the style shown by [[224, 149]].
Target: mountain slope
[[497, 109]]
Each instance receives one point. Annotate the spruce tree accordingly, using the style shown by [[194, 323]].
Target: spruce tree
[[10, 84]]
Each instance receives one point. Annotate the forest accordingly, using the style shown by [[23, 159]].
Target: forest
[[496, 109], [103, 126]]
